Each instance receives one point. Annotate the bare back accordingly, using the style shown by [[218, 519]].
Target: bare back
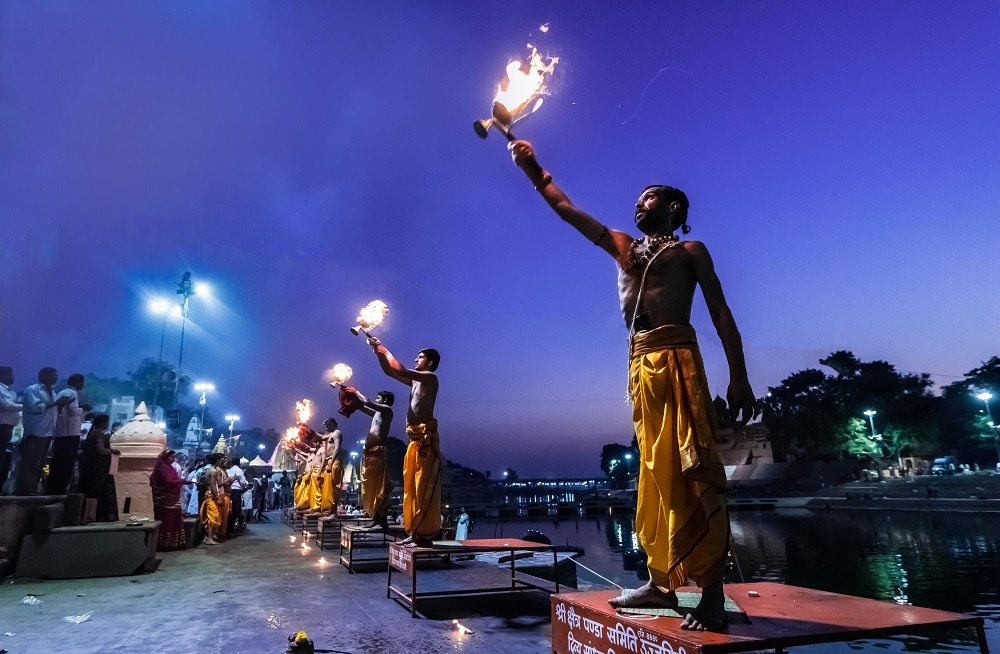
[[379, 432]]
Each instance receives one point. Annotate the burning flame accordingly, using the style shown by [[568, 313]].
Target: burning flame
[[520, 87], [304, 409], [372, 315], [291, 435], [340, 373]]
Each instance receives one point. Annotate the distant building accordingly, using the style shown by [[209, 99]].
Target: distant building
[[122, 409], [745, 445]]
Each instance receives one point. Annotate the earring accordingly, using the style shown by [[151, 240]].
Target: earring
[[685, 228]]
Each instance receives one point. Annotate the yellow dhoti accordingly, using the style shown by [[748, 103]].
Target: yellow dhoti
[[303, 492], [680, 519], [329, 485], [225, 504], [209, 511], [376, 486], [422, 481]]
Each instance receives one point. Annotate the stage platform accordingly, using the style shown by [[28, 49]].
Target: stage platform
[[775, 617], [372, 543], [408, 560]]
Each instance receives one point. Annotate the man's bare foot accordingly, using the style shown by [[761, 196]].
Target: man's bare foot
[[648, 596], [405, 541], [710, 614], [211, 542]]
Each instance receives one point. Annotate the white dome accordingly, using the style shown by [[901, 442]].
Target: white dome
[[140, 436]]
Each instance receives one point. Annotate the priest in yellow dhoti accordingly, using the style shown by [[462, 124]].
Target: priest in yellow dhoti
[[422, 464], [681, 520], [376, 485], [210, 511], [422, 482], [681, 514]]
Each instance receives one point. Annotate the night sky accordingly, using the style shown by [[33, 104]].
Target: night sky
[[304, 158]]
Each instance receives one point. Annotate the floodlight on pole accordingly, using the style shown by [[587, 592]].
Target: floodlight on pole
[[185, 289], [232, 418], [985, 396], [204, 387], [159, 306]]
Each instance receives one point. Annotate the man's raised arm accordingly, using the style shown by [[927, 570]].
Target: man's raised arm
[[392, 367], [611, 241]]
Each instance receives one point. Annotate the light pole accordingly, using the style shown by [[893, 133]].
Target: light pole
[[204, 387], [628, 468], [354, 471], [159, 306], [985, 397], [875, 437], [185, 288], [232, 418]]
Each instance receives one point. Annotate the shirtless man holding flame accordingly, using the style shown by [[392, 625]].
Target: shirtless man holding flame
[[422, 462], [681, 519]]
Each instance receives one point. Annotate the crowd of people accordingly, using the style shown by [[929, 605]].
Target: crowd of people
[[60, 430]]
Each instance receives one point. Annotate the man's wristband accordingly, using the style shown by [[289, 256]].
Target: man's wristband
[[545, 181]]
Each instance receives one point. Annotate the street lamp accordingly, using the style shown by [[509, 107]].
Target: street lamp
[[185, 288], [232, 418], [159, 306], [204, 387], [985, 397], [628, 468], [354, 470]]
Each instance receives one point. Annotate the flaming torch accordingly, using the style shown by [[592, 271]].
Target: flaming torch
[[370, 317], [518, 95], [304, 411], [339, 374]]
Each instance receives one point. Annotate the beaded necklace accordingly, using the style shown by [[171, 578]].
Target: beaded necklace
[[642, 249]]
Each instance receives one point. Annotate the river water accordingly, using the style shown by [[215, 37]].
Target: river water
[[947, 561]]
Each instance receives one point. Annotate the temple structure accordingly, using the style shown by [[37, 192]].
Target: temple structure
[[140, 440]]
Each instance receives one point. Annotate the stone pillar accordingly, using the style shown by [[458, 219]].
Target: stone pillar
[[140, 441]]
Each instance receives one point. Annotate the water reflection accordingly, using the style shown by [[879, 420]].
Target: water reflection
[[937, 560]]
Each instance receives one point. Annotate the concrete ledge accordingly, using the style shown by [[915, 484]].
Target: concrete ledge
[[106, 549]]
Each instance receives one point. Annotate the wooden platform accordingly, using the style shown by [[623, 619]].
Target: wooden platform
[[328, 528], [408, 559], [370, 545], [780, 616]]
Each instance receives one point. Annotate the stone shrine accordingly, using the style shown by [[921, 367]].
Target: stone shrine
[[140, 440]]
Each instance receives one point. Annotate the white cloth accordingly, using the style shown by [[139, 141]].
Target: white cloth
[[462, 528], [38, 420], [69, 420], [240, 481], [10, 408]]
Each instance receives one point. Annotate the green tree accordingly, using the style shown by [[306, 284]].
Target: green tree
[[819, 414], [616, 466], [964, 418]]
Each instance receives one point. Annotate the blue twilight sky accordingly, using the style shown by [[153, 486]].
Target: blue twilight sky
[[306, 157]]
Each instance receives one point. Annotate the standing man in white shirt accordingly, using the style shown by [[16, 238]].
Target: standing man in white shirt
[[40, 408], [65, 445], [239, 484], [10, 415]]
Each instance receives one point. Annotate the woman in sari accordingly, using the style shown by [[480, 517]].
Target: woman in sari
[[96, 482], [167, 486]]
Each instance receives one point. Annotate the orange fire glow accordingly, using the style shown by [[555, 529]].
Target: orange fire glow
[[520, 87], [304, 410], [340, 373], [373, 314]]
